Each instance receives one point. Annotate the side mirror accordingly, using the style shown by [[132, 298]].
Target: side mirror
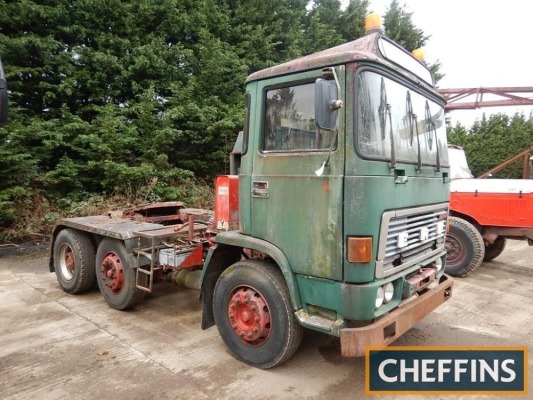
[[326, 104], [3, 95]]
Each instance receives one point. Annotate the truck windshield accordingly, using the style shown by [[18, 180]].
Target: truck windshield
[[396, 123]]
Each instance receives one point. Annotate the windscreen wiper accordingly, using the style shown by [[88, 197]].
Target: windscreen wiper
[[411, 116], [384, 111], [419, 161], [436, 144], [432, 129]]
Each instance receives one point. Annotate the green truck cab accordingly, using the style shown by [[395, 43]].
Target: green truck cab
[[343, 188]]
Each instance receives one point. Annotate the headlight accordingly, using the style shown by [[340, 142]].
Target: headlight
[[380, 296], [438, 263], [388, 292]]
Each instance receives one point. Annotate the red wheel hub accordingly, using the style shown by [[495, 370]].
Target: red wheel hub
[[249, 315], [455, 250], [69, 260], [112, 272]]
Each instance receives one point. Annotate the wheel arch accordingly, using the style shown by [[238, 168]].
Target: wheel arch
[[467, 218], [226, 252]]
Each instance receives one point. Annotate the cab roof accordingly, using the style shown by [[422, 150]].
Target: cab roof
[[365, 48]]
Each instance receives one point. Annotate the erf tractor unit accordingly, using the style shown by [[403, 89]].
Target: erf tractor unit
[[335, 221]]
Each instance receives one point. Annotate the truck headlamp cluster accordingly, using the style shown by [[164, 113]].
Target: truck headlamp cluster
[[438, 263], [384, 294], [388, 290], [380, 297]]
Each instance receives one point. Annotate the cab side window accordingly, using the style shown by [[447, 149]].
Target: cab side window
[[289, 122]]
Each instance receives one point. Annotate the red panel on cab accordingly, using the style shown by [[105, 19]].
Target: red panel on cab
[[227, 202]]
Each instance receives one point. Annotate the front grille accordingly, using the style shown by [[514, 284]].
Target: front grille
[[410, 236]]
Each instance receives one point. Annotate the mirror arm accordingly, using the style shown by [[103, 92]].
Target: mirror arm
[[335, 105], [332, 69]]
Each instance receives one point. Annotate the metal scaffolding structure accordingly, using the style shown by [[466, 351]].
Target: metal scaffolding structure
[[461, 99]]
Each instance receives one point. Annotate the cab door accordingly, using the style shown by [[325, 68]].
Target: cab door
[[292, 207]]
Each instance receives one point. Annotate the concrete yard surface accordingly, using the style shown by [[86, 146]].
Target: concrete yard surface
[[58, 346]]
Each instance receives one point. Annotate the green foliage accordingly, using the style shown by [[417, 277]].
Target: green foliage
[[351, 23], [400, 28], [491, 141], [140, 99], [320, 26], [7, 210]]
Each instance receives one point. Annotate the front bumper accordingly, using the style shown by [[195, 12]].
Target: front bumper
[[391, 326]]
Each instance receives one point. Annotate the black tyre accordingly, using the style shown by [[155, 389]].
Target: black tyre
[[116, 276], [74, 261], [465, 248], [254, 316], [495, 249]]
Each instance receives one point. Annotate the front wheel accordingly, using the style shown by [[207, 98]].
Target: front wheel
[[465, 248], [253, 314], [493, 250], [116, 276]]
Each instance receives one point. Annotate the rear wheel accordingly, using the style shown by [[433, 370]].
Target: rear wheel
[[74, 261], [465, 248], [116, 276], [253, 314], [493, 250]]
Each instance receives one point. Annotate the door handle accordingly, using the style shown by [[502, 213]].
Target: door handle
[[260, 189]]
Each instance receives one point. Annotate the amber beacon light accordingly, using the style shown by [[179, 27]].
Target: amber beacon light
[[373, 23], [419, 55]]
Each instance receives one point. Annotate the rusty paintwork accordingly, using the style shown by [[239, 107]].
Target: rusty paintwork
[[117, 228], [249, 315], [171, 231], [195, 259], [422, 278], [363, 50], [130, 227], [186, 240], [101, 226], [162, 212], [187, 236], [389, 328], [112, 273]]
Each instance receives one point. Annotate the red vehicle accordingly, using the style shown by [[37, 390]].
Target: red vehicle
[[484, 213]]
